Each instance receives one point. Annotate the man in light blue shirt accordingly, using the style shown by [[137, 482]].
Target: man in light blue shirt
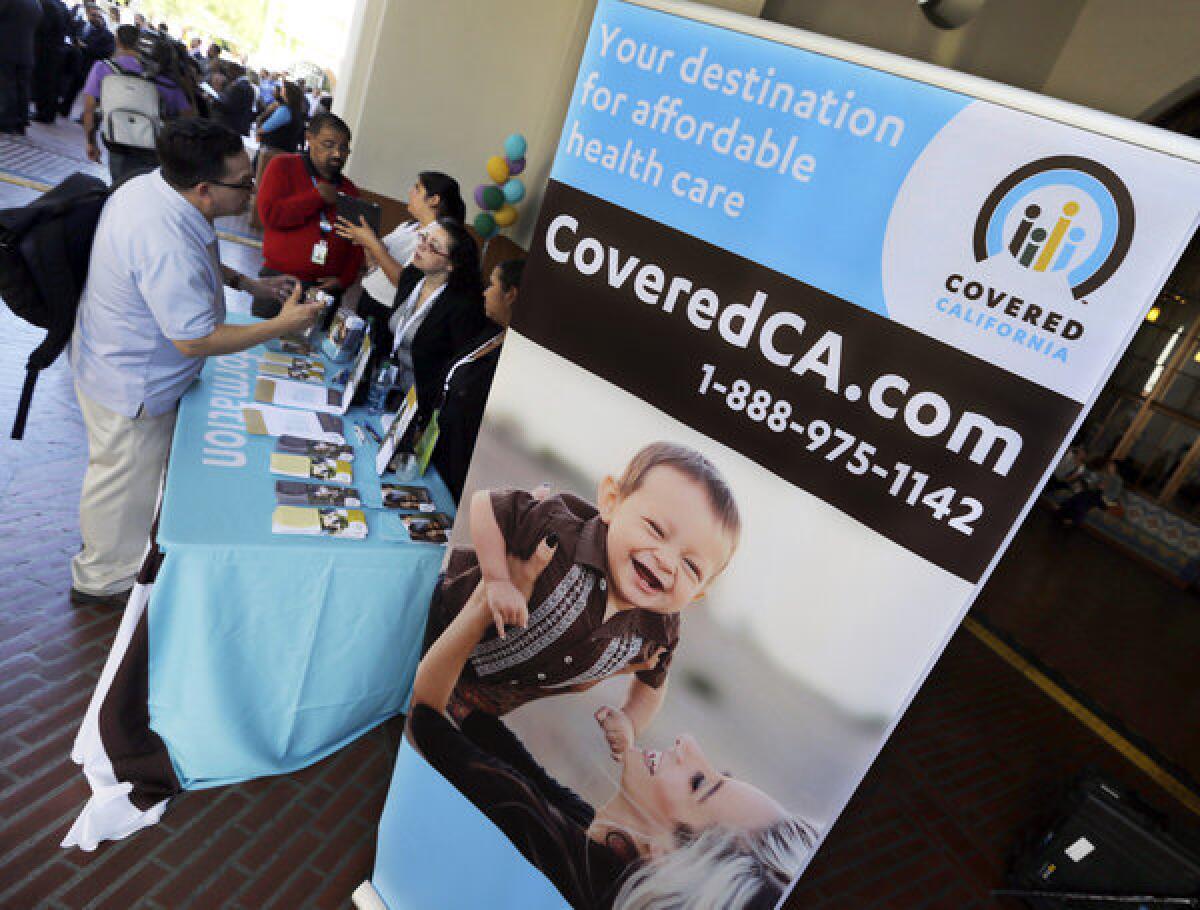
[[152, 309]]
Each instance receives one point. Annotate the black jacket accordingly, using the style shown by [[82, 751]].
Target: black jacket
[[98, 42], [461, 412], [235, 107], [451, 323], [54, 28], [18, 21]]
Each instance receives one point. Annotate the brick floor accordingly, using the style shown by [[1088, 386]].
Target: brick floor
[[282, 842], [978, 756]]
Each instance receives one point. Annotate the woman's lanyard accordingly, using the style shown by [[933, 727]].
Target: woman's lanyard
[[480, 352], [408, 319]]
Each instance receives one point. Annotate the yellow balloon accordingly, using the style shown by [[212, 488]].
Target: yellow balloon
[[506, 215], [497, 169]]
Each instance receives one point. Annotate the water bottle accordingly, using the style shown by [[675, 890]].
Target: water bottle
[[381, 385]]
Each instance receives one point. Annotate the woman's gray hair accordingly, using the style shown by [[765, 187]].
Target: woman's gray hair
[[722, 867]]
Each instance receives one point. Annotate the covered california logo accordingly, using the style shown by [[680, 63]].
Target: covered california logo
[[1062, 214]]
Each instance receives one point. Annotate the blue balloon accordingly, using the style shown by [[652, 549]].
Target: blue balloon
[[514, 146], [514, 190]]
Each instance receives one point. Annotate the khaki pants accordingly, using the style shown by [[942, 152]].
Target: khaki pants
[[120, 491]]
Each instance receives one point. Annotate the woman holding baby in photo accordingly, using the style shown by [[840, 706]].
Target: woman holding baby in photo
[[564, 595]]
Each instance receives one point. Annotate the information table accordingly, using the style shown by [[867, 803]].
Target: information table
[[245, 653]]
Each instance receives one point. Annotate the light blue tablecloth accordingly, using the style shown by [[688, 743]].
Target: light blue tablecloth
[[268, 652], [437, 850]]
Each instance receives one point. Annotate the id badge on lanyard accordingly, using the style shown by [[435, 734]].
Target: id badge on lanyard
[[320, 250]]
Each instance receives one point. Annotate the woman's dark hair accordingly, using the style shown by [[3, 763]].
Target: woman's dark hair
[[464, 259], [445, 187], [194, 150], [510, 271], [293, 97]]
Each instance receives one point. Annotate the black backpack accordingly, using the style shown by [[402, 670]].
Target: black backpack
[[44, 252]]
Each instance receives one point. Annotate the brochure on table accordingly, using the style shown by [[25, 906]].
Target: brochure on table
[[879, 308], [295, 393], [266, 420], [396, 429]]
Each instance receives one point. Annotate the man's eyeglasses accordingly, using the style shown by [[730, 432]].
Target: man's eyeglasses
[[423, 240], [246, 185]]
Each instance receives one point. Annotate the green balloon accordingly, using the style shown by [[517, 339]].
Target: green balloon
[[493, 198], [485, 225]]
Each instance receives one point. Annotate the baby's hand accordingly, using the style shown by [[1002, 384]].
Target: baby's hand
[[508, 607], [618, 730]]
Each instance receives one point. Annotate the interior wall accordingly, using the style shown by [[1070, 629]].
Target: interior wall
[[449, 81], [361, 46], [438, 86]]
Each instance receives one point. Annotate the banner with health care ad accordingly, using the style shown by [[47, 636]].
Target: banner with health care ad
[[797, 344]]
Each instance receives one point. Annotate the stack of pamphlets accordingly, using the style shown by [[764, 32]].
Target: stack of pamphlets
[[311, 467], [286, 366], [351, 523], [428, 527], [298, 493], [406, 497], [299, 393], [297, 445]]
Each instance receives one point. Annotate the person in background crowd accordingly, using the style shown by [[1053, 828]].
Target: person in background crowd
[[91, 41], [164, 30], [469, 379], [281, 125], [152, 309], [19, 21], [437, 312], [196, 52], [297, 203], [126, 163], [1101, 485], [280, 130], [211, 64], [235, 107], [1069, 471], [141, 22], [433, 195], [48, 58], [266, 90], [312, 96]]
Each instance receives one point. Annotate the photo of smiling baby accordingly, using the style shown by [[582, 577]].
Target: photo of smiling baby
[[611, 599]]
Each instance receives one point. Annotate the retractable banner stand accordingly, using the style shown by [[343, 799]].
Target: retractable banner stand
[[877, 299]]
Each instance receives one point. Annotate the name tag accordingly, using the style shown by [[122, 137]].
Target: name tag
[[320, 251]]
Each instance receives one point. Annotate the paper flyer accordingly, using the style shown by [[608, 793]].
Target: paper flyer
[[265, 420], [396, 429], [312, 468], [797, 345], [350, 523]]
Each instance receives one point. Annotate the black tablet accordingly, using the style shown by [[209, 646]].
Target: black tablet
[[352, 209]]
